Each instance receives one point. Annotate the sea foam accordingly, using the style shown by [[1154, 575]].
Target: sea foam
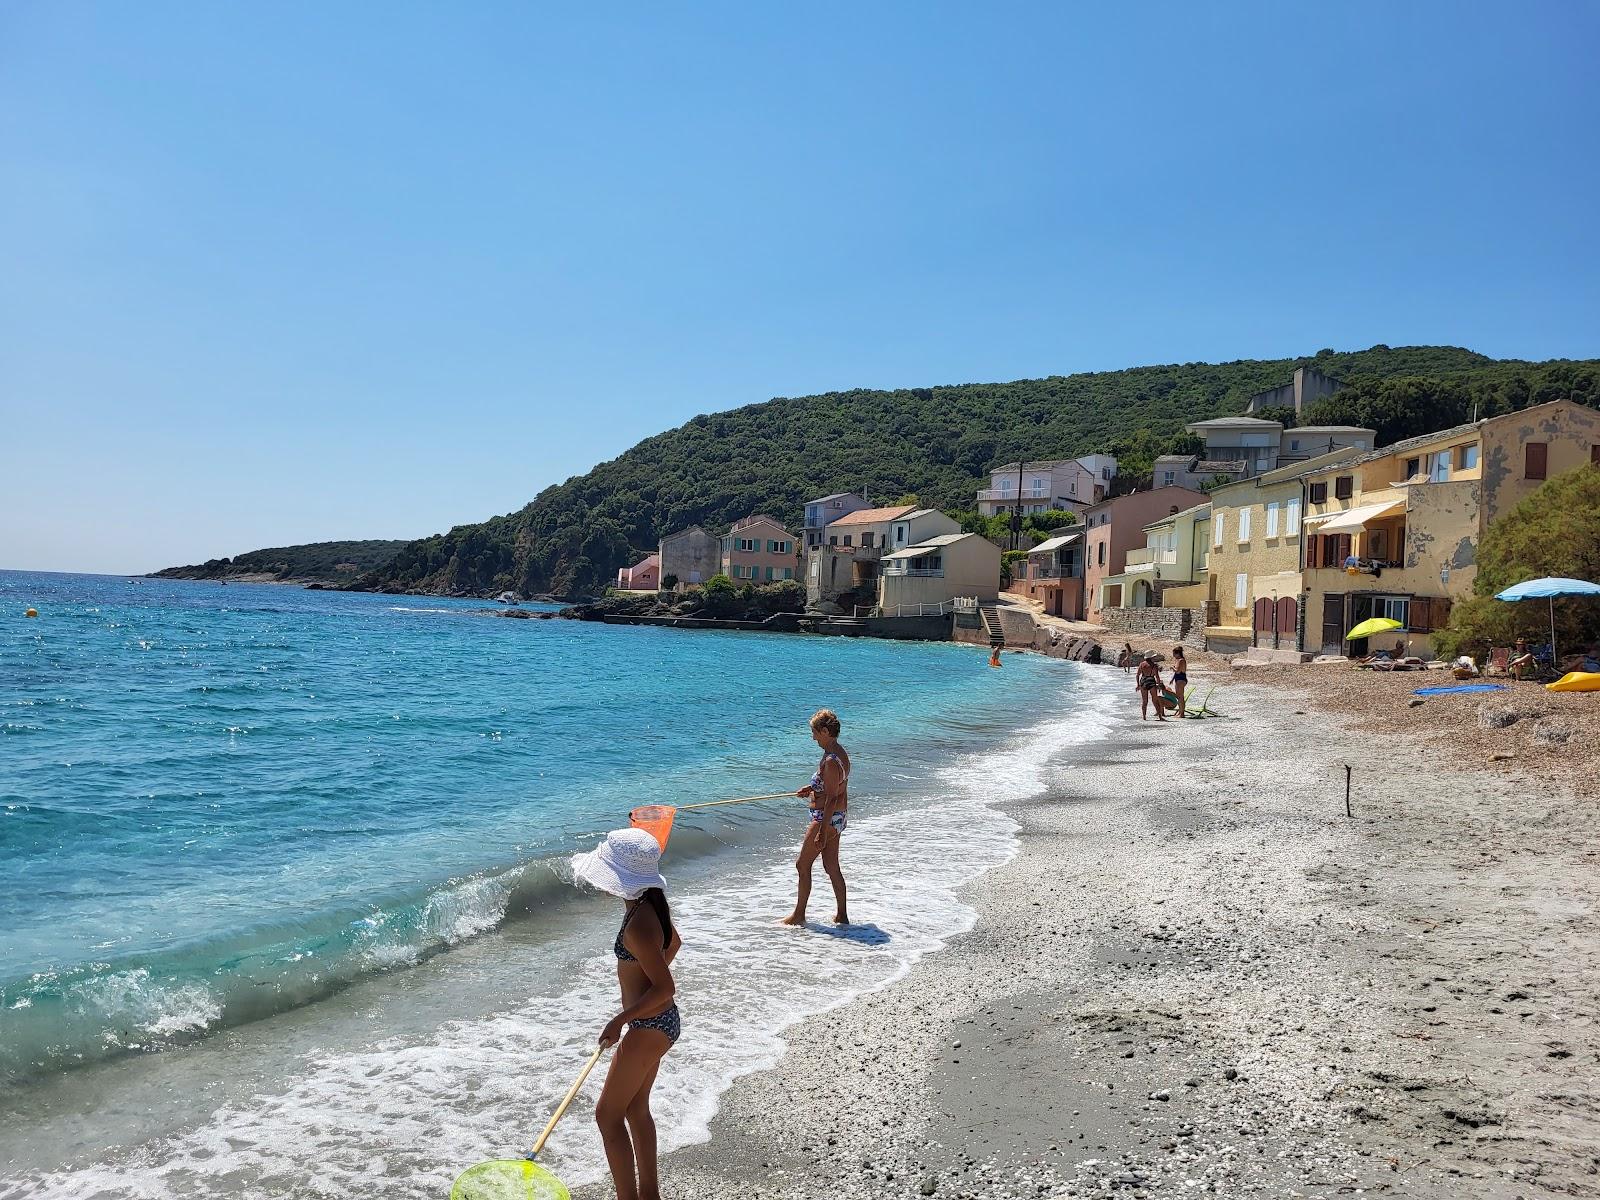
[[410, 1114]]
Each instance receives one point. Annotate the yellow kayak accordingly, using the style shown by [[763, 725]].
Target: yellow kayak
[[1576, 681]]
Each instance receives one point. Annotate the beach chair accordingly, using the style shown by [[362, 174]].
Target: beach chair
[[1499, 661]]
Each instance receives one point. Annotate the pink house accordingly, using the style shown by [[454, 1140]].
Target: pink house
[[759, 550], [643, 576], [1115, 526]]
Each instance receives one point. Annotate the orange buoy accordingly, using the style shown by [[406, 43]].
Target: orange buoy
[[32, 612]]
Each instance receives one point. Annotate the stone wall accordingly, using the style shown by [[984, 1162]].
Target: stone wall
[[1174, 623]]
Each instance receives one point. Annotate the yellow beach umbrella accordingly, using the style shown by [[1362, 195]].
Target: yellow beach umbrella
[[1371, 626]]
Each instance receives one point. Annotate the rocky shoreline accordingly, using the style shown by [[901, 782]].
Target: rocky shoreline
[[1199, 974]]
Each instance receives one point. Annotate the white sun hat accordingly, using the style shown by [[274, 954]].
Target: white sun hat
[[627, 864]]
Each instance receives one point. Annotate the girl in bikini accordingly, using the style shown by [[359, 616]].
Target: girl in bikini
[[627, 864], [1180, 676], [829, 796]]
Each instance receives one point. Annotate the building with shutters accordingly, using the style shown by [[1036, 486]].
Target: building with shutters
[[758, 550], [1395, 532], [1114, 527], [1255, 534]]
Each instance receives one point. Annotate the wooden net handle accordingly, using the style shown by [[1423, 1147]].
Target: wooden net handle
[[736, 800], [566, 1100]]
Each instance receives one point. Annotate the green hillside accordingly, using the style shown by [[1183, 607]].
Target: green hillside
[[316, 562], [935, 442]]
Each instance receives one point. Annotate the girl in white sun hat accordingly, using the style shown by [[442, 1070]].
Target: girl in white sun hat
[[627, 864]]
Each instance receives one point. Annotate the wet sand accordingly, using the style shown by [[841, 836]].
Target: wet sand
[[1199, 975]]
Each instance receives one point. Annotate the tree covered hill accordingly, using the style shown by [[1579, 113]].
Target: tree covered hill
[[316, 562], [938, 443]]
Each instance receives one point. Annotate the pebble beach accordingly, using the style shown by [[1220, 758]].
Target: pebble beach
[[1199, 975]]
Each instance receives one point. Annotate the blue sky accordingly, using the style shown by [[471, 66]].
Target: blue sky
[[299, 271]]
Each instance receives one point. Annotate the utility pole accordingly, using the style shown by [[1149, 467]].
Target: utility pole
[[1016, 516]]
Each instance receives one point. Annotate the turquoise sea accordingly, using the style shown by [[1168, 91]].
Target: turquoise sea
[[284, 897]]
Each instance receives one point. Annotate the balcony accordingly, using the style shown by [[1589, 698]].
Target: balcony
[[914, 572], [1147, 558], [1010, 496]]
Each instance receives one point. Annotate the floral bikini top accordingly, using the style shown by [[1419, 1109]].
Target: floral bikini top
[[816, 780]]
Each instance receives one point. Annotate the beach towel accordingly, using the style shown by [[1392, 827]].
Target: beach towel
[[1465, 687]]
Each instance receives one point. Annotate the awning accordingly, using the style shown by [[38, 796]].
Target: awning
[[1353, 519], [1056, 543]]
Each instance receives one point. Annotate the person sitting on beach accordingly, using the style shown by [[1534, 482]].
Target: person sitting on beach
[[627, 865], [1522, 660], [1147, 681], [1180, 676], [829, 794]]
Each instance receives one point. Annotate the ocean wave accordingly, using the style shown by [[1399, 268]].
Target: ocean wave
[[414, 1111]]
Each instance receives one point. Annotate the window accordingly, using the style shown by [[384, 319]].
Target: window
[[899, 534], [1378, 545], [1319, 493], [1294, 444], [1439, 467], [1241, 590], [866, 539], [1344, 486], [1534, 460], [1272, 519], [1038, 484], [1467, 456], [1244, 524], [1393, 607], [746, 544], [847, 538], [1413, 467], [816, 568], [1292, 518], [1168, 478], [769, 574], [1101, 557], [833, 539], [1221, 520], [788, 572]]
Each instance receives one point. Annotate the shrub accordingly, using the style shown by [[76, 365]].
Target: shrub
[[1554, 531]]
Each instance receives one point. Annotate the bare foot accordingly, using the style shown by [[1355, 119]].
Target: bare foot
[[841, 918], [794, 919]]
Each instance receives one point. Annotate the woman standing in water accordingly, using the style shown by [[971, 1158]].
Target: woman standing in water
[[829, 794], [627, 865]]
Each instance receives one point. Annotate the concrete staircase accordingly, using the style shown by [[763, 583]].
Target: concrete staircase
[[991, 622]]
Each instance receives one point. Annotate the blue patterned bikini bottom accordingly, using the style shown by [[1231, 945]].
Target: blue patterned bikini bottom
[[669, 1023]]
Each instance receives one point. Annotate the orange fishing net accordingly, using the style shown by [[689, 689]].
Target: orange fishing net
[[655, 819]]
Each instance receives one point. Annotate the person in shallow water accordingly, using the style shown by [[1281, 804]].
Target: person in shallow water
[[829, 797], [1148, 680], [627, 864]]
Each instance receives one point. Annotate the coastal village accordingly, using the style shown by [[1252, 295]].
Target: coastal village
[[1273, 543]]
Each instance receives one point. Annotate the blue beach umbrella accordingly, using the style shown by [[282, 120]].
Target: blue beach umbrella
[[1549, 588]]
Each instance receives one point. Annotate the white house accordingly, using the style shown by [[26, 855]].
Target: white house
[[1244, 447], [936, 571], [1068, 484], [918, 526]]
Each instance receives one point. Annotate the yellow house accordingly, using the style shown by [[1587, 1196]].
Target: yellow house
[[1255, 555], [1394, 532]]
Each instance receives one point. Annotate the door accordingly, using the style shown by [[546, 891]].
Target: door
[[1261, 621], [1284, 626], [1360, 610], [1333, 625]]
